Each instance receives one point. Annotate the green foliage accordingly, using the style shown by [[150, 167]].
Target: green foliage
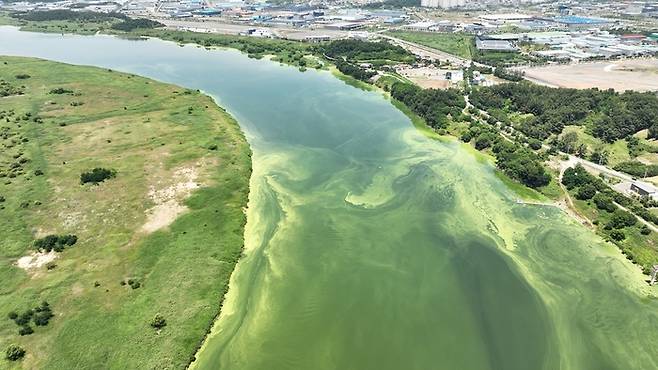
[[55, 242], [621, 219], [459, 44], [136, 23], [60, 91], [8, 89], [611, 115], [392, 4], [521, 163], [617, 235], [97, 175], [637, 169], [586, 192], [604, 202], [354, 71], [508, 75], [14, 353], [158, 322], [357, 50], [432, 105], [22, 76], [68, 15]]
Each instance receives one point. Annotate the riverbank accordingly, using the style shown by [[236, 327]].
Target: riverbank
[[161, 236]]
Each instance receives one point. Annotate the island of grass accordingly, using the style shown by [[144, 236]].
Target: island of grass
[[169, 218]]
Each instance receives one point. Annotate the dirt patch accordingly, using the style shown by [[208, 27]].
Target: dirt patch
[[620, 75], [36, 260], [169, 199]]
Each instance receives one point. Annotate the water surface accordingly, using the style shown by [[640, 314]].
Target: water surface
[[370, 246]]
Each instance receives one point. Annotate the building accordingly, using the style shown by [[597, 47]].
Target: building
[[644, 189], [442, 3], [494, 45]]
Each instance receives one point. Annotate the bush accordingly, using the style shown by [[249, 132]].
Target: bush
[[22, 76], [25, 330], [55, 242], [617, 235], [97, 175], [586, 192], [621, 219], [14, 353], [60, 91], [604, 202], [645, 230], [158, 322]]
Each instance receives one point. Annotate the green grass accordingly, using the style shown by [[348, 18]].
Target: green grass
[[617, 151], [459, 44], [148, 132]]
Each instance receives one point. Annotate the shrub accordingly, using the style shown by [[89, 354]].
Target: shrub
[[22, 76], [60, 91], [25, 330], [621, 219], [645, 230], [617, 235], [55, 242], [586, 192], [14, 353], [158, 322], [604, 202], [97, 175]]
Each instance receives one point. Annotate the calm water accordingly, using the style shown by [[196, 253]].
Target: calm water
[[370, 246]]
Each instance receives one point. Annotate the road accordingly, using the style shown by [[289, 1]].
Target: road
[[425, 51]]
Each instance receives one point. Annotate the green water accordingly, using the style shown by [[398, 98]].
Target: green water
[[370, 246]]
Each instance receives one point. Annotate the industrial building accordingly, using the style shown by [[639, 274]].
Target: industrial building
[[445, 4]]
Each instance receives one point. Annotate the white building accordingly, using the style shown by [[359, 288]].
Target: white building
[[442, 3]]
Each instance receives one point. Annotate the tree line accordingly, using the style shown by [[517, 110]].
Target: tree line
[[610, 115]]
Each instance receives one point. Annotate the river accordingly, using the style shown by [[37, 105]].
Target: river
[[370, 246]]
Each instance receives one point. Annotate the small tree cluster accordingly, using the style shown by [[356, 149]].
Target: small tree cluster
[[40, 315], [55, 242], [97, 175], [14, 353], [158, 322]]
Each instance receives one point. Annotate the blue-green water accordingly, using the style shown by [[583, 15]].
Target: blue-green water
[[370, 246]]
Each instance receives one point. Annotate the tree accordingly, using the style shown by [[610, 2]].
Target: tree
[[14, 353], [621, 219], [158, 322], [617, 235], [586, 192], [599, 156], [604, 202]]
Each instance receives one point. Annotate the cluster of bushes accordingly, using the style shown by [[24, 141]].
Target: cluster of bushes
[[134, 284], [39, 315], [55, 243], [97, 175], [354, 71], [22, 76], [131, 24], [60, 91], [14, 353], [515, 160], [357, 50], [508, 75], [7, 89], [611, 115], [432, 105], [637, 169], [158, 322], [604, 198], [68, 15]]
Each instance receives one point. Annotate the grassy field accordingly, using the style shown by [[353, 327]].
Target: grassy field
[[171, 220], [462, 45]]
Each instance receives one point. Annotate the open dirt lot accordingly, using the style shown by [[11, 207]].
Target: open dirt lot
[[630, 74]]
